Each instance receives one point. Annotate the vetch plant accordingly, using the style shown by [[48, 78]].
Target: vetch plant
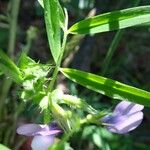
[[38, 84]]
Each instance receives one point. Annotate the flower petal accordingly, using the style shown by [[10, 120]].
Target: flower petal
[[29, 129], [40, 142], [126, 107], [49, 129], [114, 119], [124, 124]]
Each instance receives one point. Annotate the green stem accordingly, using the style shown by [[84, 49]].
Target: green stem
[[11, 46], [54, 76], [56, 70], [111, 51], [13, 26], [114, 46]]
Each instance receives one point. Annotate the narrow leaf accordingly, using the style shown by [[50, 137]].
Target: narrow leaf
[[61, 12], [24, 61], [8, 67], [113, 21], [61, 15], [52, 20], [108, 87]]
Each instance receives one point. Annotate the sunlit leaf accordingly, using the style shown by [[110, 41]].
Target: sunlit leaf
[[97, 140], [113, 21], [61, 12], [41, 3], [108, 87], [8, 67], [52, 20]]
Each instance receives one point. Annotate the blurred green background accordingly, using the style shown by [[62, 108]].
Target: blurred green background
[[129, 63]]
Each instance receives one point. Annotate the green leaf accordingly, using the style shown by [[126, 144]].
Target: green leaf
[[25, 61], [113, 21], [31, 69], [3, 147], [97, 140], [41, 3], [8, 67], [61, 15], [61, 12], [34, 75], [52, 19], [108, 87]]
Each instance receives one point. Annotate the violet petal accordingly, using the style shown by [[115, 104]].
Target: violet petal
[[126, 123], [29, 129], [113, 119], [48, 130], [126, 107], [40, 142]]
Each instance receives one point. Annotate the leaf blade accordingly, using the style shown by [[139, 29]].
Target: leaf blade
[[9, 68], [113, 21], [108, 87], [52, 20]]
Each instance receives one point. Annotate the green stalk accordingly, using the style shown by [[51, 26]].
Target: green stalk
[[13, 26], [56, 70], [11, 46], [54, 76], [111, 51]]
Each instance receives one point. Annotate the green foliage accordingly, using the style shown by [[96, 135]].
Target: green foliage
[[61, 12], [108, 87], [113, 21], [61, 146], [52, 20], [34, 75], [8, 67]]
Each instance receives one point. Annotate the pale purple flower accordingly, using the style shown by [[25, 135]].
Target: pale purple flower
[[126, 117], [43, 134]]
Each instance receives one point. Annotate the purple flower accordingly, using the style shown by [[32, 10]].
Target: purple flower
[[43, 134], [126, 117]]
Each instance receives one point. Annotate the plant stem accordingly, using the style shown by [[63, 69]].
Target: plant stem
[[11, 46], [111, 50], [54, 77], [13, 26], [113, 46]]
